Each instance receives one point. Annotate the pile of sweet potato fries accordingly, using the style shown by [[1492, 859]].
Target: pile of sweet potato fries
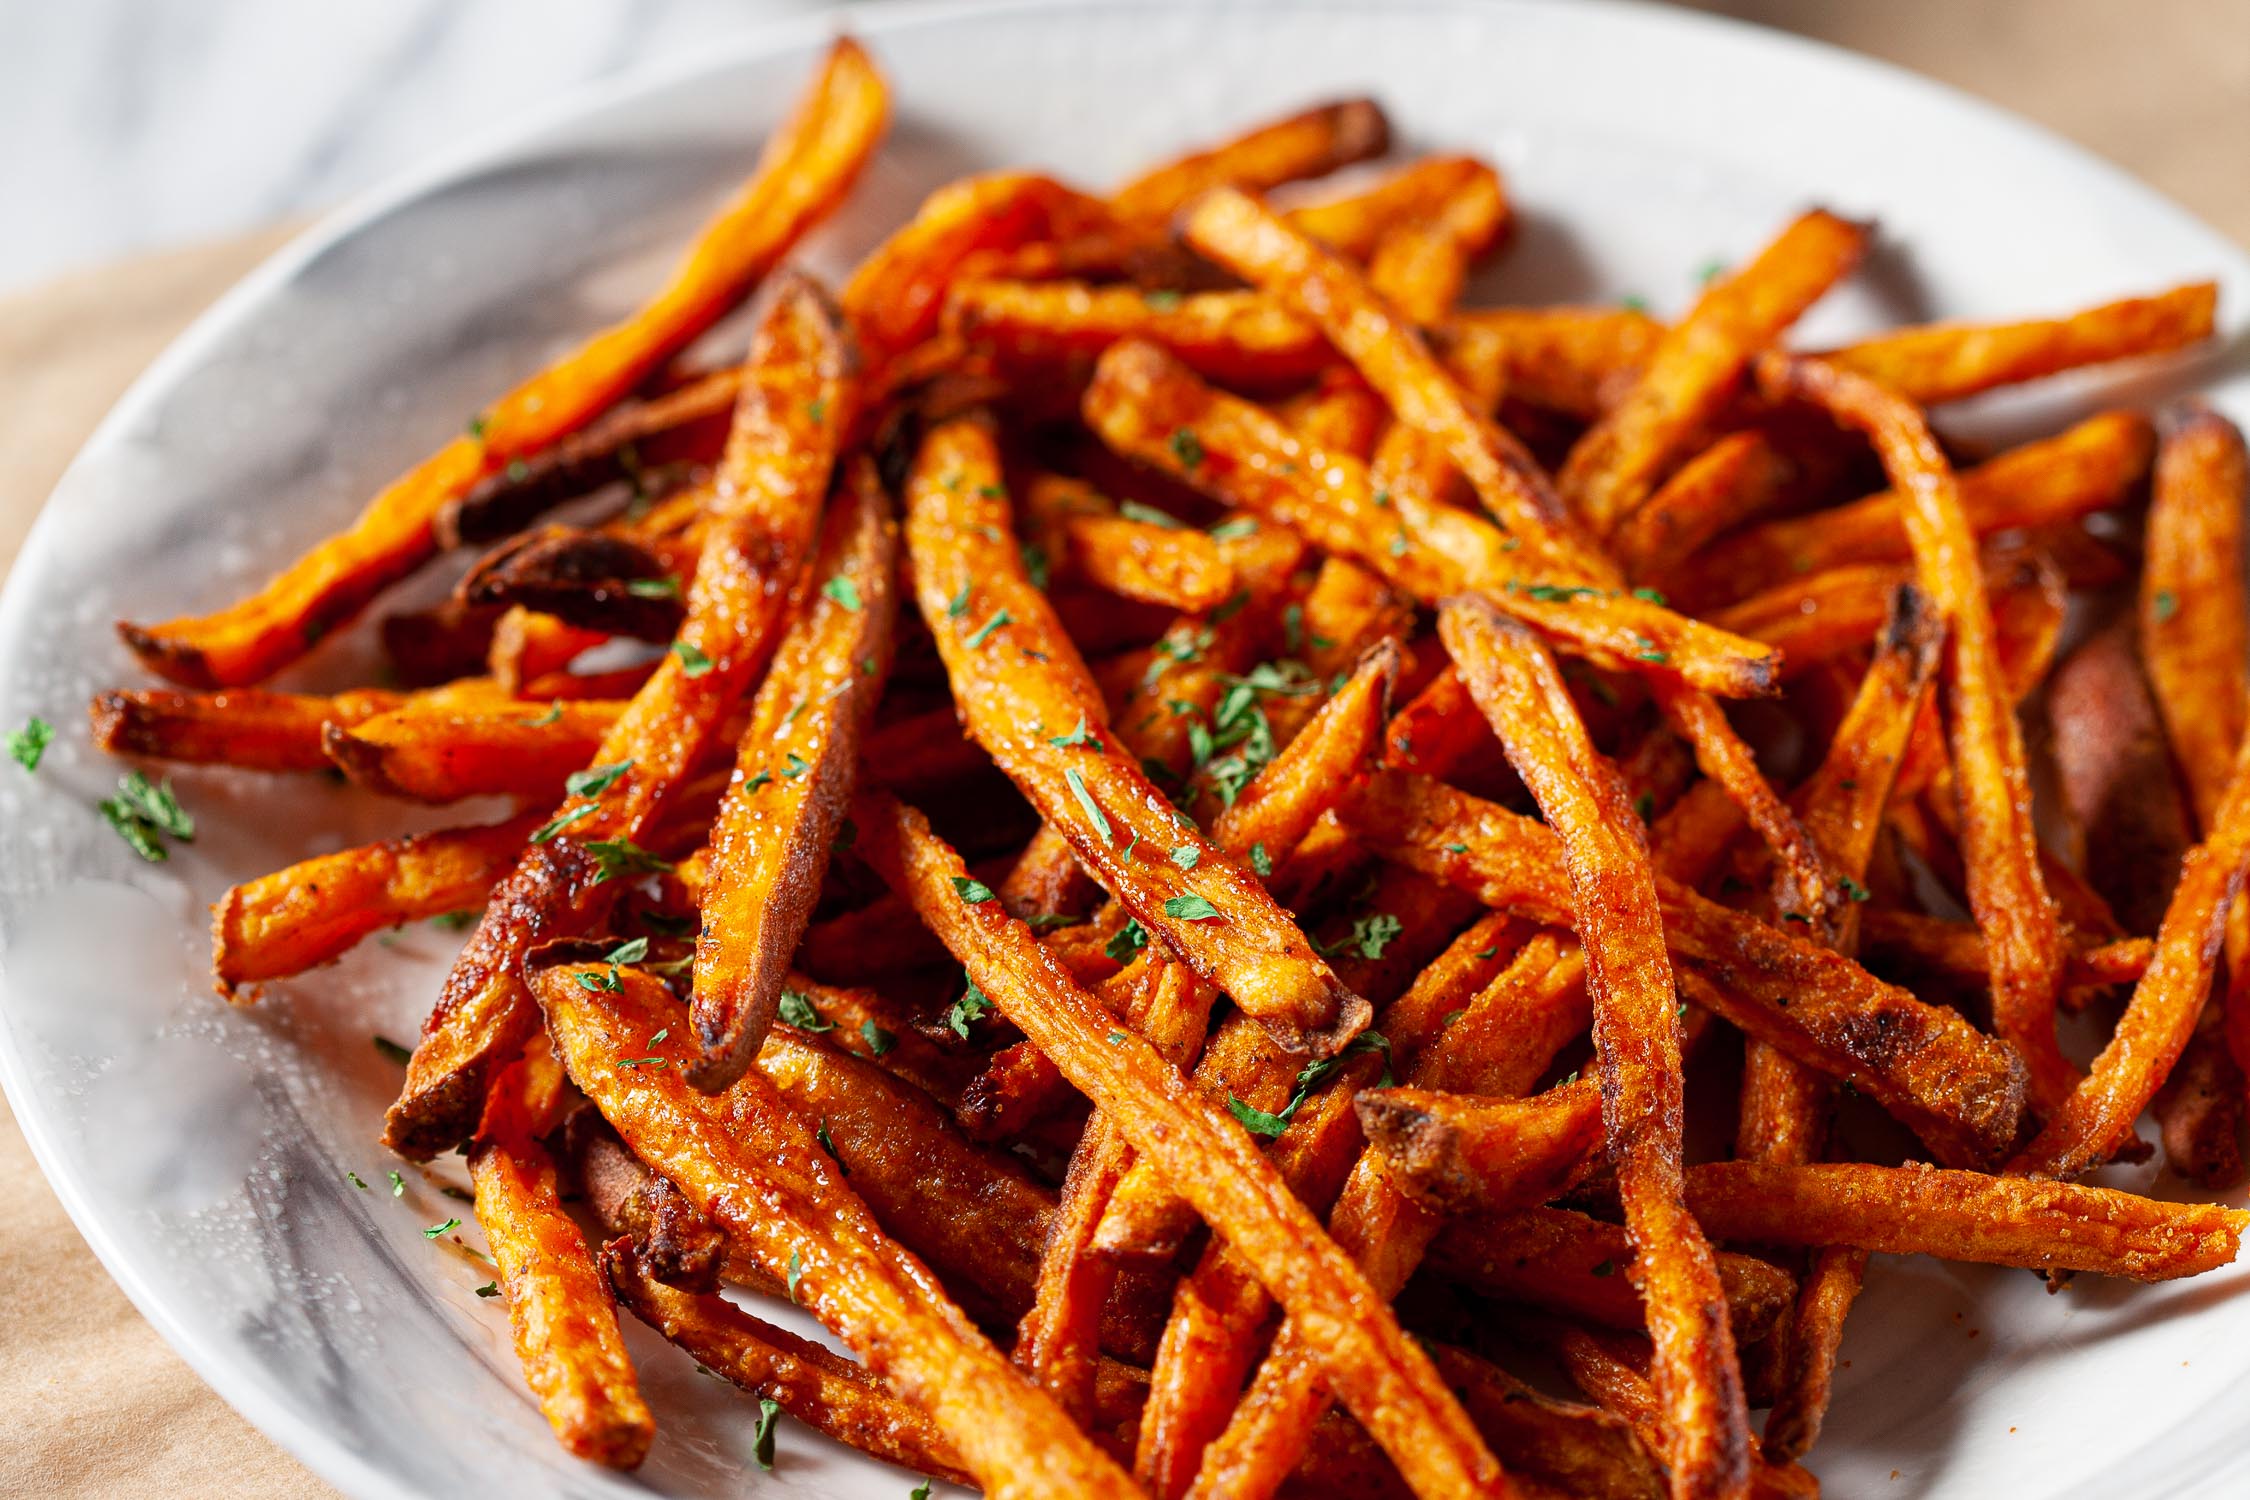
[[1188, 804]]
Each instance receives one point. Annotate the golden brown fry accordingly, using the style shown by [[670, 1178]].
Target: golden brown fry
[[1084, 537], [527, 646], [1311, 143], [1961, 1091], [1581, 1450], [818, 1387], [2088, 468], [247, 727], [587, 578], [426, 751], [1946, 361], [746, 1160], [2093, 1121], [314, 911], [1420, 262], [1027, 698], [1559, 1259], [1238, 337], [1726, 484], [1556, 357], [1381, 1375], [559, 1304], [796, 401], [803, 173], [798, 757], [1698, 365], [1517, 685], [1355, 222], [1458, 1150], [1152, 408], [2006, 889], [1969, 1216]]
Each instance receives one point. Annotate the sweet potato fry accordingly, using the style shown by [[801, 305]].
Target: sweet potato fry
[[614, 446], [1946, 361], [1698, 365], [527, 646], [1028, 699], [315, 911], [2128, 813], [1562, 1260], [1718, 489], [2006, 889], [1457, 1150], [583, 577], [1958, 1089], [1311, 143], [2094, 1120], [1382, 1376], [1581, 1450], [1508, 1035], [1420, 262], [747, 1161], [818, 1387], [806, 168], [1555, 357], [247, 727], [798, 756], [1517, 685], [1969, 1216], [424, 751], [796, 400], [2088, 468], [559, 1304], [1084, 537], [1152, 408], [1237, 337], [1353, 223]]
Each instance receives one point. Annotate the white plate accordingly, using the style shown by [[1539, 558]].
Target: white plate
[[203, 1150]]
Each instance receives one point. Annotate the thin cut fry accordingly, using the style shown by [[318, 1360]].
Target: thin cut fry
[[559, 1303], [1946, 361], [1311, 143], [1516, 684], [1028, 700], [795, 403], [1556, 357], [807, 167], [316, 910], [1456, 1150], [1085, 537], [1698, 365], [748, 1162], [1381, 1375], [249, 727], [770, 845], [2006, 889], [1237, 337]]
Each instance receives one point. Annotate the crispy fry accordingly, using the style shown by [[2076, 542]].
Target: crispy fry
[[247, 727], [2085, 469], [816, 1386], [776, 475], [770, 846], [1517, 685], [1420, 262], [425, 751], [527, 646], [1698, 364], [1946, 361], [2128, 813], [1382, 1376], [2094, 1120], [2006, 889], [559, 1304], [1028, 700], [1726, 484], [1355, 222], [2002, 1221], [1311, 143], [1961, 1091], [583, 577], [1559, 1259], [1458, 1150], [748, 1162], [806, 168], [1142, 402], [1556, 357], [1084, 537], [618, 445], [1581, 1450], [1237, 337], [315, 911]]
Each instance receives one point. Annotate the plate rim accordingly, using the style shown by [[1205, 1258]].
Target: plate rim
[[480, 149]]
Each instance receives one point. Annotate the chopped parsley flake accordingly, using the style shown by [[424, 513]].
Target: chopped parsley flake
[[796, 1273], [878, 1040], [2164, 606], [958, 605], [1261, 861], [1126, 941], [596, 781], [799, 1011], [973, 1005], [843, 591], [398, 1185], [1161, 300], [761, 1447], [393, 1051], [547, 831], [999, 618], [489, 1289], [1241, 526], [972, 892], [1148, 515], [353, 1179], [1187, 448], [1186, 855], [27, 744], [693, 662], [435, 1230], [1190, 908], [1080, 735], [623, 857], [1093, 811]]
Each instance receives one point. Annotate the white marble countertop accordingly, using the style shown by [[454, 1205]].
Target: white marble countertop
[[126, 125]]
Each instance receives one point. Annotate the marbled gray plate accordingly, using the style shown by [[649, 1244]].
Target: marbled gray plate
[[204, 1150]]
